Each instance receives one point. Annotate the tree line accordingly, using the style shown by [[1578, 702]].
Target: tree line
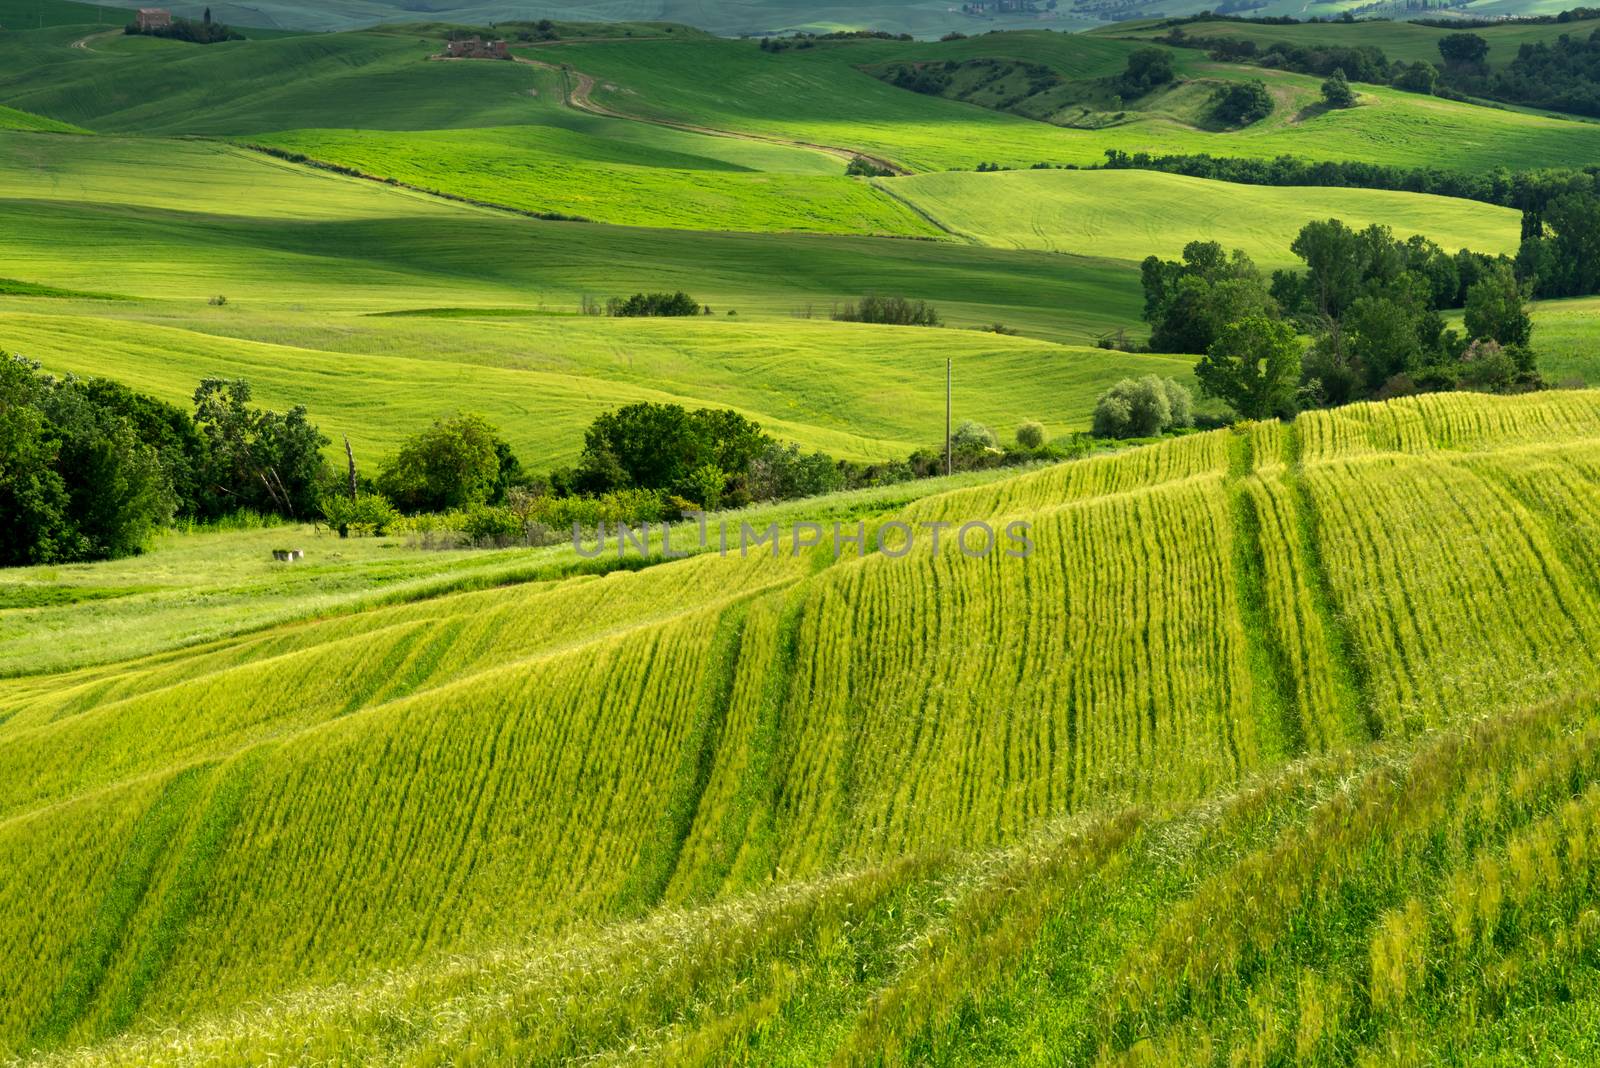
[[91, 470], [649, 462], [1559, 254]]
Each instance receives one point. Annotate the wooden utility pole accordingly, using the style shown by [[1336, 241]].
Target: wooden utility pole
[[949, 467], [351, 457]]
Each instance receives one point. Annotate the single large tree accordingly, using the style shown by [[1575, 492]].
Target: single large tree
[[1336, 91], [1254, 366], [1464, 53], [455, 463]]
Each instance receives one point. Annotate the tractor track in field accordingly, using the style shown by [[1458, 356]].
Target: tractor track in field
[[578, 90], [82, 43]]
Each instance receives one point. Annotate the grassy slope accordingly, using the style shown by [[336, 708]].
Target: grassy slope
[[789, 719], [860, 392], [1564, 338], [1404, 41], [1068, 942], [12, 119], [380, 80], [1126, 213], [725, 17], [33, 14], [182, 221], [817, 94], [558, 171], [555, 160], [384, 82]]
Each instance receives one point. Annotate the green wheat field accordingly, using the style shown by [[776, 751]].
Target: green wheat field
[[1281, 747]]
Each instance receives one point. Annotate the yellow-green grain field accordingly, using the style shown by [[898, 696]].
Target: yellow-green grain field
[[1305, 696]]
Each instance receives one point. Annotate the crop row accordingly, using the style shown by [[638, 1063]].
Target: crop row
[[1447, 421], [1455, 596]]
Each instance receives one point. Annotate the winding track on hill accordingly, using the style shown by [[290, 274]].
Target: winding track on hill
[[578, 89], [82, 43]]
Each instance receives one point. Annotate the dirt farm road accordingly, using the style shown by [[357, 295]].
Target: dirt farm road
[[579, 89]]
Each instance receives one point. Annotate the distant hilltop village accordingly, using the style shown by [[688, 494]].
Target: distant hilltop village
[[1005, 7]]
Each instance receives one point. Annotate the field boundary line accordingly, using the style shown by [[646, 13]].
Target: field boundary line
[[300, 159], [882, 187]]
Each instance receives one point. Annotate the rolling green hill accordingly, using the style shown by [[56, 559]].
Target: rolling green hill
[[1404, 41], [182, 221], [370, 80], [1284, 775], [820, 95], [383, 81], [12, 119], [551, 170], [924, 18], [1280, 745], [867, 393], [1129, 213]]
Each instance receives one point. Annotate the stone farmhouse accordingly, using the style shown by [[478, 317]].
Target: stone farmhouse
[[153, 18], [477, 48]]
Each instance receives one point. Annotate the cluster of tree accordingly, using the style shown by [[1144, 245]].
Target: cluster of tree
[[1524, 190], [1001, 84], [1560, 251], [699, 456], [1575, 14], [457, 462], [808, 40], [1148, 69], [862, 167], [89, 469], [203, 31], [783, 44], [543, 30], [894, 311], [654, 304], [1372, 304], [1241, 103], [1142, 408], [930, 79], [1187, 302], [1222, 16]]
